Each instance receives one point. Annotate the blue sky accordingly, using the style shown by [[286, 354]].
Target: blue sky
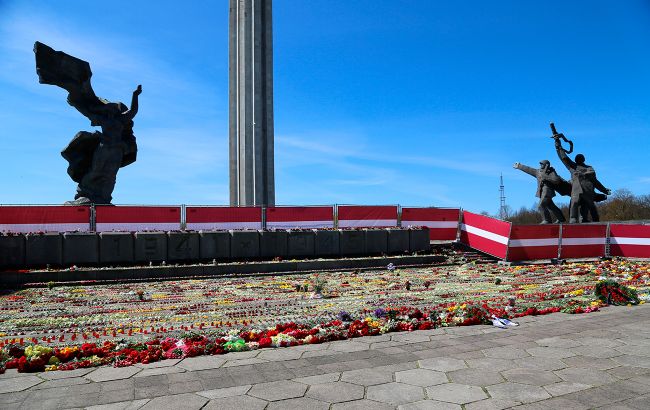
[[376, 102]]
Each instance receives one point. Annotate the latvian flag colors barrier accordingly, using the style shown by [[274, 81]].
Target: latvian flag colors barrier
[[26, 219], [529, 242], [442, 223], [631, 241], [137, 218], [291, 217], [351, 216], [583, 241], [207, 218], [485, 234]]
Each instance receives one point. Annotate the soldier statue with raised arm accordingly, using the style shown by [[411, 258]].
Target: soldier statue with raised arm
[[583, 183], [94, 158], [548, 182]]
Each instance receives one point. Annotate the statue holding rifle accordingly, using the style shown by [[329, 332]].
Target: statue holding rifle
[[583, 183], [94, 158]]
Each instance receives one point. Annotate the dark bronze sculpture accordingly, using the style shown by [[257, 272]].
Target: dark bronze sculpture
[[94, 158], [548, 182], [583, 183]]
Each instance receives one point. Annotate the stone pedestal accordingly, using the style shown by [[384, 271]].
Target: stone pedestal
[[150, 246], [182, 246], [214, 245], [326, 243], [244, 244], [398, 240], [12, 251], [352, 242], [116, 247], [376, 241], [301, 244], [273, 244], [44, 249], [419, 240], [80, 248]]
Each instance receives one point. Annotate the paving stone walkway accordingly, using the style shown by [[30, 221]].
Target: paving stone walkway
[[559, 361]]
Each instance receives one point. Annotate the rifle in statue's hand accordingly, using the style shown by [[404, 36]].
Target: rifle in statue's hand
[[557, 136]]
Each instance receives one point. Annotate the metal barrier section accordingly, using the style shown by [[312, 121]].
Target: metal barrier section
[[52, 218], [442, 222], [485, 234], [583, 241], [630, 241], [204, 218], [360, 216], [529, 242], [137, 218], [303, 217]]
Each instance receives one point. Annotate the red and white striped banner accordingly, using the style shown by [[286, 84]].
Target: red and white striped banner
[[137, 218], [290, 217], [486, 234], [631, 241], [442, 223], [223, 218], [357, 216], [25, 219], [583, 241], [530, 242]]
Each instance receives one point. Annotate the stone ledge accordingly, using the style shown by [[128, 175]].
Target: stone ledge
[[18, 279]]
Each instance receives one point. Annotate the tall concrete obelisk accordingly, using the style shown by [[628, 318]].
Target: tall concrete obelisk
[[251, 103]]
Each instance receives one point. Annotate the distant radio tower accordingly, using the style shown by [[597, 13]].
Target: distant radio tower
[[503, 212]]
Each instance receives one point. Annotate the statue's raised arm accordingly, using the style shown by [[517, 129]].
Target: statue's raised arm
[[561, 153], [525, 168], [131, 113]]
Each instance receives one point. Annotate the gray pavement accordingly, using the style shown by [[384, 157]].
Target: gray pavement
[[559, 361]]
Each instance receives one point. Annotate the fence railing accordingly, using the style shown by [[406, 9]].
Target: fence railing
[[102, 218], [490, 235], [551, 241]]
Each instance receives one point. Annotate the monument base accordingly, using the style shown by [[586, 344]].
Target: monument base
[[101, 252]]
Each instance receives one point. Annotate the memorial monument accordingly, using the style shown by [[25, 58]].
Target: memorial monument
[[94, 158], [251, 103], [583, 183], [548, 182]]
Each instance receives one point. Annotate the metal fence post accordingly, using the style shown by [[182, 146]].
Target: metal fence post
[[508, 242], [263, 210], [336, 216], [460, 221], [559, 243], [93, 219], [183, 218], [608, 243], [399, 215]]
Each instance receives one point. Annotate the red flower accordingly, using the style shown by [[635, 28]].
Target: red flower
[[265, 342]]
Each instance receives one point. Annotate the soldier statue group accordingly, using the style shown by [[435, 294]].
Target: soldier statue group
[[581, 188]]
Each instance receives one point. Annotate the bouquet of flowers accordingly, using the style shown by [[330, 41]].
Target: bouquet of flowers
[[613, 293]]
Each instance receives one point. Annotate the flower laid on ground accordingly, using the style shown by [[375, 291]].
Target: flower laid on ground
[[100, 324], [613, 293], [318, 284]]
